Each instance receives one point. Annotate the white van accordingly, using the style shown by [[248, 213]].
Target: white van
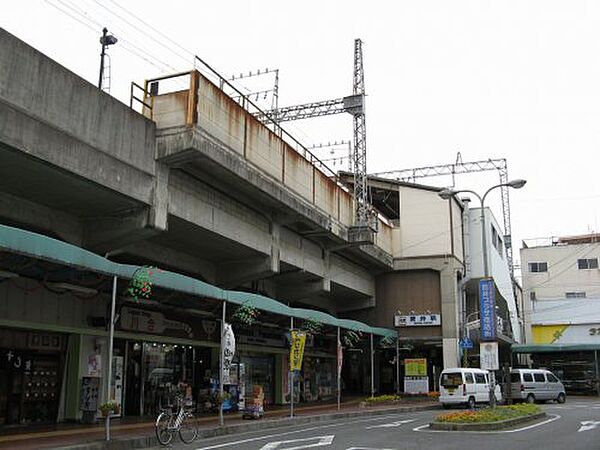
[[466, 386], [533, 385]]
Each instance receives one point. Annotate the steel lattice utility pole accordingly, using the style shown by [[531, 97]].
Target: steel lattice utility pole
[[361, 198], [353, 104]]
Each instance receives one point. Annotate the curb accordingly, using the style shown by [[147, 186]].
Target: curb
[[204, 433], [486, 426]]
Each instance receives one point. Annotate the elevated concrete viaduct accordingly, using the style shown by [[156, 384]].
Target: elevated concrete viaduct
[[79, 165]]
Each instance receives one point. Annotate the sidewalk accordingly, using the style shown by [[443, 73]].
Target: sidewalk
[[141, 434]]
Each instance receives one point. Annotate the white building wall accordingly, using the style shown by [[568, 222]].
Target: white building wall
[[425, 224], [563, 274], [497, 261]]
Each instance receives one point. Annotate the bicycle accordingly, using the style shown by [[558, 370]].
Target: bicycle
[[168, 423]]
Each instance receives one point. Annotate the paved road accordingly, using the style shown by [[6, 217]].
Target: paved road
[[574, 425]]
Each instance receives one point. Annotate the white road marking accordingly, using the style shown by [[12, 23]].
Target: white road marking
[[588, 425], [320, 427], [390, 425], [322, 441], [368, 448], [422, 428]]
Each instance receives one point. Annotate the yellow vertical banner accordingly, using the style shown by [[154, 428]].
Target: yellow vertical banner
[[297, 350]]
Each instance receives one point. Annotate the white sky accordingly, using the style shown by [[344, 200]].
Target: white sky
[[506, 79]]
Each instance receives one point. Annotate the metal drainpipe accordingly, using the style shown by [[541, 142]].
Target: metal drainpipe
[[372, 369], [111, 336], [221, 361]]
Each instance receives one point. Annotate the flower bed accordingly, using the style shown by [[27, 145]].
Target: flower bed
[[489, 415]]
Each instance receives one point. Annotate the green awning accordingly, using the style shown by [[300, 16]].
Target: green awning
[[43, 247], [551, 348]]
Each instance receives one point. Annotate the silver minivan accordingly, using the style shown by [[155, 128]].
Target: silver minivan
[[533, 385]]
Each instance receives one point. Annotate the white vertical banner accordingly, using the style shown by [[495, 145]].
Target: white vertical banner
[[488, 356], [228, 347]]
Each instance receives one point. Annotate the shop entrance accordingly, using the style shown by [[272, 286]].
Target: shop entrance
[[133, 379], [31, 366]]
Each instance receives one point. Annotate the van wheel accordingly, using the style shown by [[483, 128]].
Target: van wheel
[[530, 398], [561, 398], [471, 403]]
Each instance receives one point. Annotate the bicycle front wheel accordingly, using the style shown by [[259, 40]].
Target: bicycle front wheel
[[189, 429], [163, 429]]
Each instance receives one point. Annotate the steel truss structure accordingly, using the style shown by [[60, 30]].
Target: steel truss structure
[[353, 104]]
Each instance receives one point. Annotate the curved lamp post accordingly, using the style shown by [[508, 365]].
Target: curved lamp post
[[449, 193]]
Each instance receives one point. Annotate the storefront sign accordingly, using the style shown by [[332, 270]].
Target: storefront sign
[[416, 385], [15, 361], [297, 349], [417, 320], [90, 387], [416, 367], [94, 365], [488, 356], [487, 309], [151, 322], [116, 383], [566, 334]]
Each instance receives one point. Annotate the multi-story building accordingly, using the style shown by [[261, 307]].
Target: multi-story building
[[561, 284], [559, 268]]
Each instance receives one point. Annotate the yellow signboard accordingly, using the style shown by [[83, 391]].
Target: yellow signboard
[[297, 350], [416, 367]]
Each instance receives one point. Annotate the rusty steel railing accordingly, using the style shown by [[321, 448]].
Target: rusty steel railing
[[132, 97]]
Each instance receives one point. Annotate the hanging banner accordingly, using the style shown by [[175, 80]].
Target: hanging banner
[[487, 308], [228, 346], [297, 350], [340, 358]]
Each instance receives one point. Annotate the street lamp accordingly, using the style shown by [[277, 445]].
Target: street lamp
[[449, 193]]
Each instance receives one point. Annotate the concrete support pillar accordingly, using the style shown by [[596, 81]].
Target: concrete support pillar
[[451, 301]]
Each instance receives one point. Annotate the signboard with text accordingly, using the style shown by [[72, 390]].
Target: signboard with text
[[417, 320], [487, 309], [415, 367], [297, 350], [488, 356]]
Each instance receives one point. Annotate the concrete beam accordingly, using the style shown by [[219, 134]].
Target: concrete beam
[[302, 291], [356, 305], [235, 273], [175, 259], [111, 233], [20, 210]]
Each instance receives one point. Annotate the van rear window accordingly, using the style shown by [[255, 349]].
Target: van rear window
[[515, 378], [451, 379]]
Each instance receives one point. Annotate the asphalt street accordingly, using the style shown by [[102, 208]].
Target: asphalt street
[[573, 425]]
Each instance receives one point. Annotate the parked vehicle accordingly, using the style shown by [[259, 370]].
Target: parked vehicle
[[533, 385], [466, 386]]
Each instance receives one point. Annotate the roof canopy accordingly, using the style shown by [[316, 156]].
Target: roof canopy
[[551, 348], [42, 247]]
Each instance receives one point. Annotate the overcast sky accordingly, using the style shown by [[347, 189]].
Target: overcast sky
[[507, 79]]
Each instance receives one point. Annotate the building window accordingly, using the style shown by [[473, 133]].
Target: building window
[[589, 263], [575, 294], [532, 296], [538, 267], [496, 240]]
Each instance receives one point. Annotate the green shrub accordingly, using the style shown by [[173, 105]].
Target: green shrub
[[489, 415], [382, 398]]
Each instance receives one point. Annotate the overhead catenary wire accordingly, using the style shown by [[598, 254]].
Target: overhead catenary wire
[[92, 24]]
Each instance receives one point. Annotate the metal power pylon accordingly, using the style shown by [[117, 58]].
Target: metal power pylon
[[460, 167], [353, 104]]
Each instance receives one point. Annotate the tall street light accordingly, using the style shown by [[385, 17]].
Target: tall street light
[[449, 193]]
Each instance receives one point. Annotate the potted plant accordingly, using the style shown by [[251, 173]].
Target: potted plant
[[140, 285], [245, 314], [311, 326], [108, 408]]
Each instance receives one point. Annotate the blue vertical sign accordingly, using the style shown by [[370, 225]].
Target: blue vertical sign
[[487, 309]]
